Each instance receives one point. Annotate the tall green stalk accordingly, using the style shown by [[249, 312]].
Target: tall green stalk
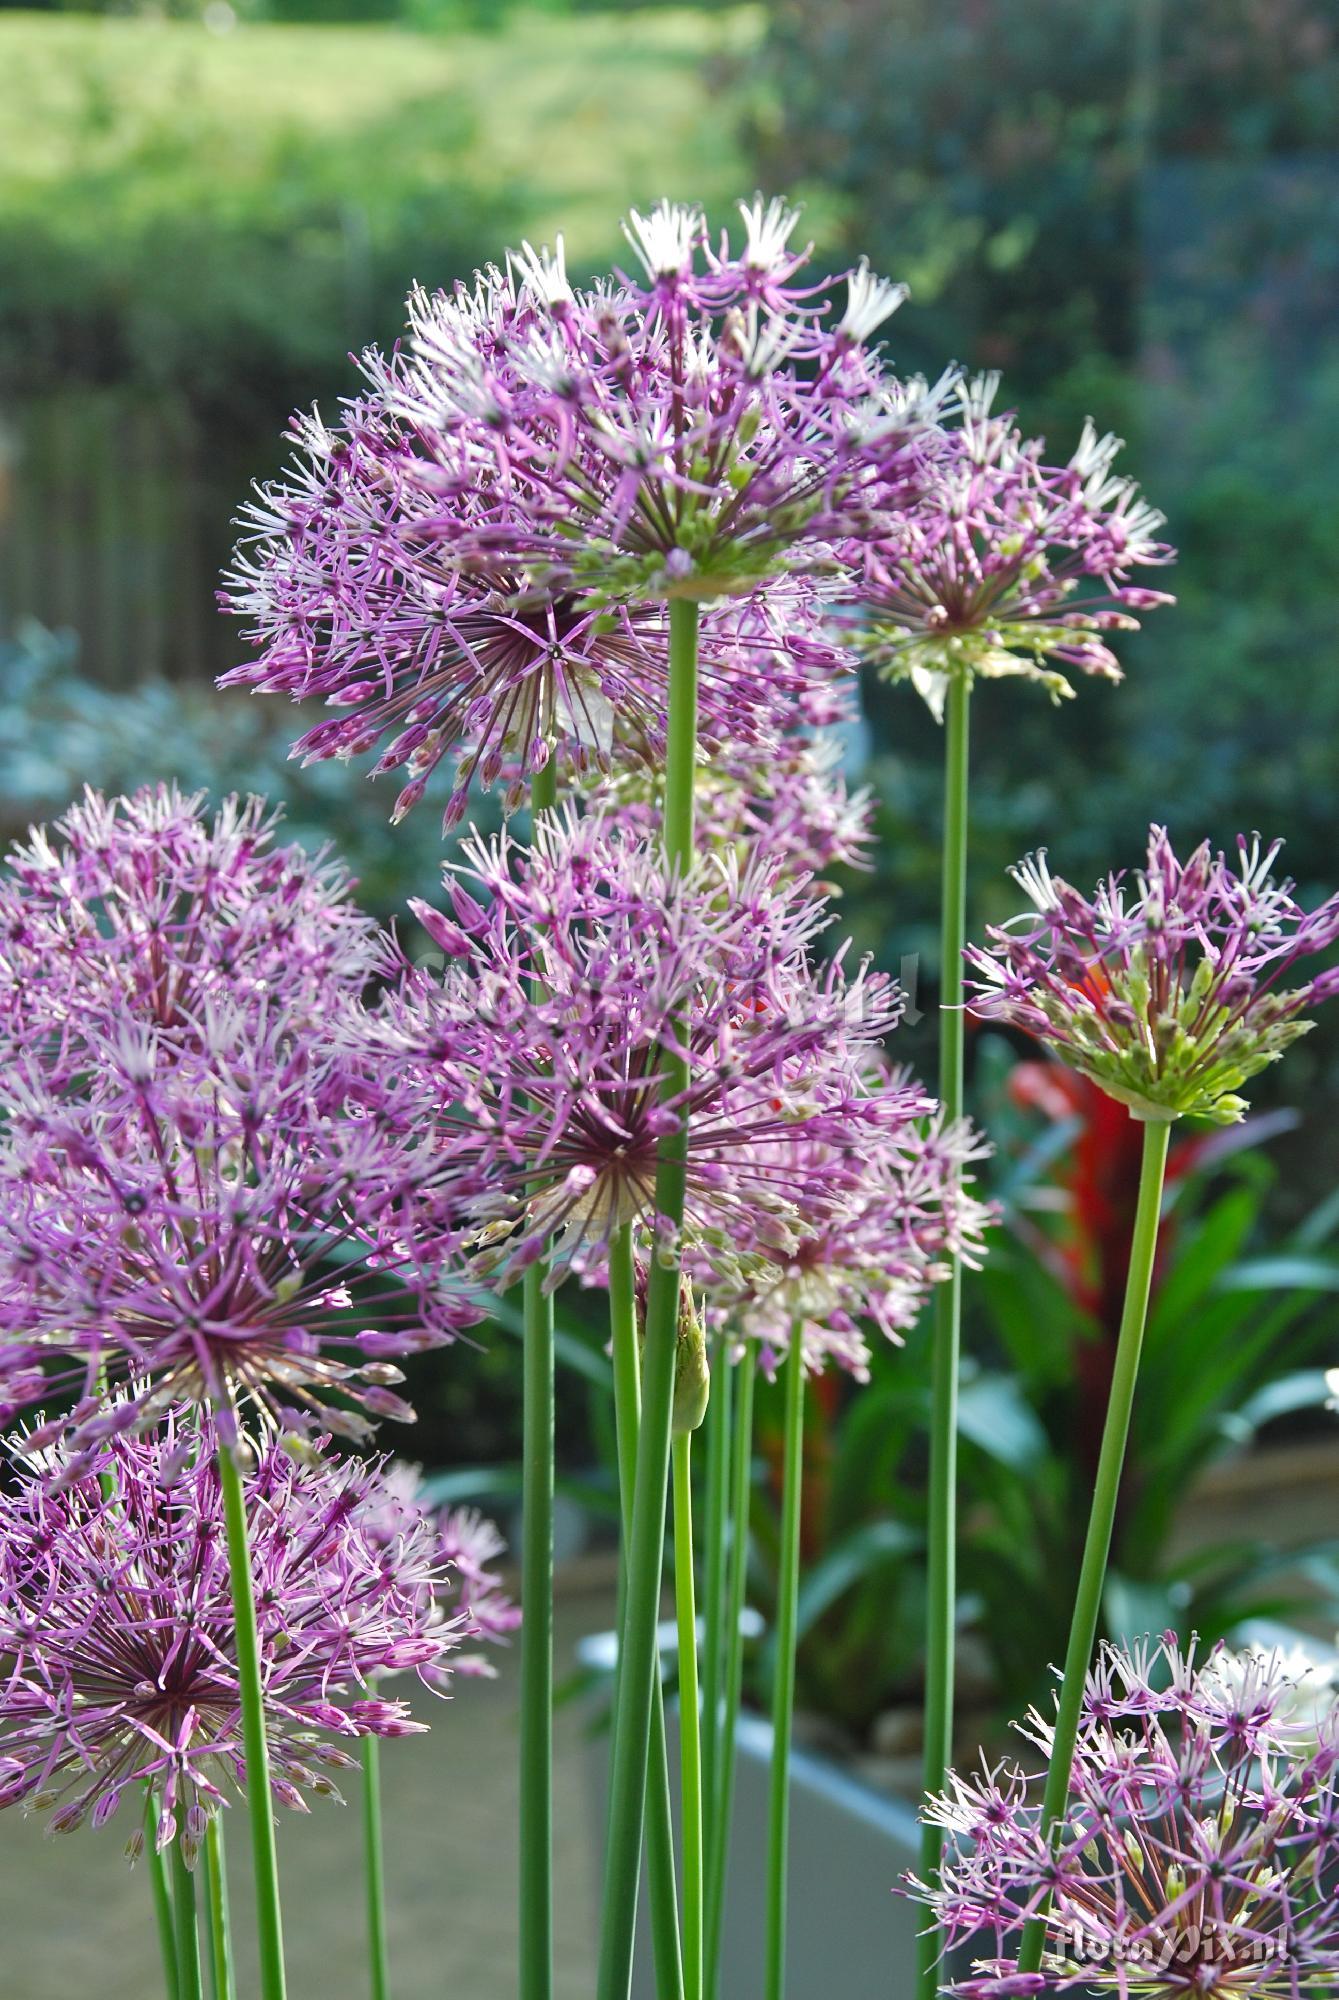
[[723, 1797], [188, 1927], [941, 1580], [638, 1668], [1106, 1492], [255, 1743], [537, 1490], [664, 1897], [164, 1918], [690, 1727], [374, 1871], [717, 1425], [783, 1687], [222, 1976]]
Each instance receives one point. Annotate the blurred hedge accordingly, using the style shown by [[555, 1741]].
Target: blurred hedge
[[1128, 208]]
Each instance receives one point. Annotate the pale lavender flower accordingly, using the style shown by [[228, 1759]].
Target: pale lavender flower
[[468, 1545], [1006, 565], [674, 434], [785, 801], [1197, 1855], [541, 1049], [475, 560], [1171, 994], [116, 1625], [877, 1233]]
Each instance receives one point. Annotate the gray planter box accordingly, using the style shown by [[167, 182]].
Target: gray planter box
[[849, 1936]]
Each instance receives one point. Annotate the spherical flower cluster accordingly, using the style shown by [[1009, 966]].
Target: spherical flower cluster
[[117, 1628], [541, 1049], [786, 802], [149, 904], [201, 1199], [1170, 997], [878, 1232], [477, 559], [1006, 565], [468, 1545], [1198, 1853]]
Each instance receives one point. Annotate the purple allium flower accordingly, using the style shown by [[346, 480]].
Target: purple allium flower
[[476, 560], [1170, 996], [116, 1625], [785, 801], [200, 1200], [878, 1232], [468, 1545], [1006, 565], [149, 903], [548, 1101], [1198, 1854]]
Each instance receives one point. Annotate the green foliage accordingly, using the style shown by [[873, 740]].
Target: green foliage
[[59, 732], [1236, 1343], [1126, 206]]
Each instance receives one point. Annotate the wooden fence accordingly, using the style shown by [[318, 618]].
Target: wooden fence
[[113, 526]]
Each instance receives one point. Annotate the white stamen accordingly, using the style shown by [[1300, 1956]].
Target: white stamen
[[870, 300]]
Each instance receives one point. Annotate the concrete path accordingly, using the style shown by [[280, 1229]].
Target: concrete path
[[75, 1922]]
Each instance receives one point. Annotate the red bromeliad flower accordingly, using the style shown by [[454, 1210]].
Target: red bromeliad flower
[[1098, 1178]]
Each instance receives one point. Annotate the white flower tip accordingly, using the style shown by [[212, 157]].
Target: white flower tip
[[768, 228], [870, 300], [543, 272], [664, 239]]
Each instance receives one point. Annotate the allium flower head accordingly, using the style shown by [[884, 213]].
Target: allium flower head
[[676, 433], [200, 1200], [878, 1233], [786, 801], [116, 1626], [541, 1049], [1198, 1853], [1168, 995], [475, 560], [151, 903], [1006, 565], [468, 1545]]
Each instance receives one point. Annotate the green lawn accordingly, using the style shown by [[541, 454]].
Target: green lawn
[[559, 123]]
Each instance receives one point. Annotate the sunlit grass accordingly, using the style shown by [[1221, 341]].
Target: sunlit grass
[[563, 122]]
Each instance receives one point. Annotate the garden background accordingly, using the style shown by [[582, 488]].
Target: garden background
[[1128, 207]]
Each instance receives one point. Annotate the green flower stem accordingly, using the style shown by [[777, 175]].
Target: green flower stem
[[681, 735], [690, 1736], [188, 1928], [255, 1743], [941, 1580], [627, 1423], [222, 1977], [723, 1801], [639, 1665], [717, 1426], [783, 1687], [164, 1918], [374, 1866], [537, 1487], [1106, 1491]]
